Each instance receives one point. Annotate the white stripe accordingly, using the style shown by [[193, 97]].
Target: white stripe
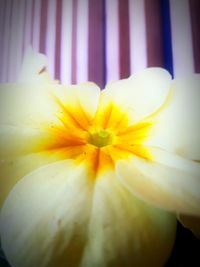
[[181, 38], [138, 43], [36, 25], [66, 41], [51, 36], [28, 22], [5, 40], [112, 40], [82, 41]]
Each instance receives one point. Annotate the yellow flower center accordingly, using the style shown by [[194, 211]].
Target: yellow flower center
[[100, 141], [100, 138]]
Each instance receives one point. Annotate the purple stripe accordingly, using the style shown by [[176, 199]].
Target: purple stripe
[[6, 40], [195, 21], [32, 20], [96, 46], [74, 42], [58, 39], [2, 15], [154, 33], [20, 36], [43, 26], [124, 39], [2, 32], [24, 27], [11, 44], [28, 22]]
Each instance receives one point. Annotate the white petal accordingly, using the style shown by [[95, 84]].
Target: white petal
[[34, 105], [169, 181], [18, 141], [85, 96], [44, 219], [88, 95], [14, 168], [27, 114], [33, 68], [122, 229], [177, 128], [27, 104], [54, 218], [21, 151], [142, 93]]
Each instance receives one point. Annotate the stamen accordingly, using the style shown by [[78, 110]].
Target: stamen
[[100, 138]]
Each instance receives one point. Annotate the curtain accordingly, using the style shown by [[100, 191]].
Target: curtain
[[100, 40]]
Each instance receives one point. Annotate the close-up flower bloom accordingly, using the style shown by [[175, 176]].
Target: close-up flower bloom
[[93, 178]]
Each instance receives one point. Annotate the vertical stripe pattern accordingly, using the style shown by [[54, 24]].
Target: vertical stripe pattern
[[66, 42], [112, 40], [181, 38], [37, 15], [100, 40], [58, 39], [5, 51], [166, 37], [137, 27], [124, 40], [74, 42], [82, 40], [28, 21], [195, 20], [43, 26], [96, 43], [153, 33], [51, 36]]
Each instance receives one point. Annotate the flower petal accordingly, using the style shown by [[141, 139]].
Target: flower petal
[[88, 95], [53, 217], [20, 152], [32, 99], [33, 68], [14, 169], [85, 96], [44, 219], [122, 229], [142, 93], [17, 141], [169, 181], [177, 128], [34, 105], [27, 104], [28, 113]]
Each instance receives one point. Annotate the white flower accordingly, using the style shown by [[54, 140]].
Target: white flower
[[94, 178]]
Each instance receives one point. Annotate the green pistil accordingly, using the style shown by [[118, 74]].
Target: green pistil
[[100, 138]]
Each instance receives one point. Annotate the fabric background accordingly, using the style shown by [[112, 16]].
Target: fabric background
[[100, 40]]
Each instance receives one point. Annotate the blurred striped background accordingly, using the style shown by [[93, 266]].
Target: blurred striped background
[[100, 40]]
